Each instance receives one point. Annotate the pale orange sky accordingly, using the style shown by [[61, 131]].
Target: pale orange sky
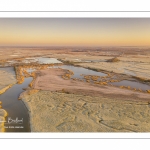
[[75, 31]]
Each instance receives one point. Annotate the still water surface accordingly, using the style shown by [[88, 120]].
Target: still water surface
[[17, 109]]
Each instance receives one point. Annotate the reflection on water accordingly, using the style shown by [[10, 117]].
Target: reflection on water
[[132, 84], [9, 69], [42, 60], [16, 108], [79, 70]]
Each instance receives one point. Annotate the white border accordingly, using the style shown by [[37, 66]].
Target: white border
[[74, 5], [74, 14], [73, 135]]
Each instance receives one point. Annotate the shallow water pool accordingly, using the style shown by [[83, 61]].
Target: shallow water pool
[[79, 70], [132, 84]]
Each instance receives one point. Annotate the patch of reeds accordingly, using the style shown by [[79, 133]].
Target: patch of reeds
[[115, 59]]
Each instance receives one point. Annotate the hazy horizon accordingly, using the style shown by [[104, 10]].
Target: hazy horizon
[[75, 32]]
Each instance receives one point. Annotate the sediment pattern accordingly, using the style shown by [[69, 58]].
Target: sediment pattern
[[60, 112], [6, 81]]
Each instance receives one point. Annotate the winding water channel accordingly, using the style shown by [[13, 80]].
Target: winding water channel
[[17, 109], [14, 107]]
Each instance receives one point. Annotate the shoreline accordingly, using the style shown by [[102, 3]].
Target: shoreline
[[29, 114], [6, 88], [62, 100], [36, 105], [8, 80], [53, 80]]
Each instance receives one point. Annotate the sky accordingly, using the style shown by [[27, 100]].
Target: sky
[[74, 31]]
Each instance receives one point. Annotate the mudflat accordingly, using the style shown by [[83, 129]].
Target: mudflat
[[51, 80], [61, 112], [6, 80], [58, 103], [83, 107]]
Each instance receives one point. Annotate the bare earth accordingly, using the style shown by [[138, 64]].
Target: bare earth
[[103, 109], [137, 69], [6, 81], [52, 80], [59, 105], [131, 65], [60, 112]]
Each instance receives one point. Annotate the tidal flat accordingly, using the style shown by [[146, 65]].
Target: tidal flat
[[76, 89]]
